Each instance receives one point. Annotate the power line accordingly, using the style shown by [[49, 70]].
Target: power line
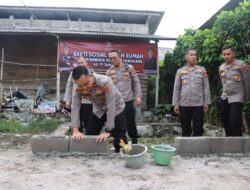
[[34, 16]]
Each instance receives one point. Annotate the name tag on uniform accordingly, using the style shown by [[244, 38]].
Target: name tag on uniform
[[236, 77], [184, 81], [184, 72], [236, 67]]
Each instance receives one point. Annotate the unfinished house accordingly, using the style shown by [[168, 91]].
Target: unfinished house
[[30, 38]]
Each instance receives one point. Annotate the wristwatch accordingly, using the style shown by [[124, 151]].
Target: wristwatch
[[107, 131]]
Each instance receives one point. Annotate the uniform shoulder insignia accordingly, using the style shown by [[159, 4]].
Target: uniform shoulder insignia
[[205, 73], [244, 67], [105, 89], [222, 67], [131, 69]]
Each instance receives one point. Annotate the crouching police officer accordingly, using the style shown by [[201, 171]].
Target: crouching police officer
[[108, 106]]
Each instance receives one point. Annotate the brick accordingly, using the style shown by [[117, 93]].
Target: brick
[[60, 144], [88, 145], [226, 144], [246, 144], [192, 145], [40, 143]]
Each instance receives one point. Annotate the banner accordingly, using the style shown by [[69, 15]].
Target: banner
[[141, 55]]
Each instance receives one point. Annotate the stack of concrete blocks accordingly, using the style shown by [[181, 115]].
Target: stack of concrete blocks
[[58, 141], [217, 145]]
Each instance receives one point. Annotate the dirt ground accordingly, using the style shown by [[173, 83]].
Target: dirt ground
[[21, 169]]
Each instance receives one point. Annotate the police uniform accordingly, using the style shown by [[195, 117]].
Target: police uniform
[[233, 79], [65, 59], [127, 82], [108, 106], [191, 93], [150, 64], [86, 105]]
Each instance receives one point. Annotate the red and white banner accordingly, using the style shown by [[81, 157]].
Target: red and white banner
[[141, 55]]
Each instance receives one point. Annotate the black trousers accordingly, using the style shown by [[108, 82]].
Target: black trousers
[[188, 115], [131, 125], [95, 126], [85, 111], [232, 118]]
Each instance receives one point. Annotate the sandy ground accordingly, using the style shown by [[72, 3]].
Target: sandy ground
[[21, 169]]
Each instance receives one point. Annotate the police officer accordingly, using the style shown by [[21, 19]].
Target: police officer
[[150, 62], [232, 73], [191, 95], [66, 59], [86, 105], [127, 82], [108, 106]]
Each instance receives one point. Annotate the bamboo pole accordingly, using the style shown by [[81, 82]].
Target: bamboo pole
[[157, 78], [58, 98], [1, 86]]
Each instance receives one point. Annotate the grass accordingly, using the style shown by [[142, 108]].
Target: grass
[[33, 127]]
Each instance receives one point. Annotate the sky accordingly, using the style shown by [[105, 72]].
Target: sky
[[179, 14]]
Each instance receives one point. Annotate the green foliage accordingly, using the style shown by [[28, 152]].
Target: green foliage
[[163, 109], [246, 109], [9, 126], [41, 125], [167, 76], [230, 27], [246, 114], [35, 126], [151, 92]]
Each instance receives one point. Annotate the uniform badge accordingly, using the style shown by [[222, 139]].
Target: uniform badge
[[205, 74], [105, 89], [244, 68], [125, 77], [235, 76], [236, 67]]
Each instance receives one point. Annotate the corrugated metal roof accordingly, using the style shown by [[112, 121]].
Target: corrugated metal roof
[[152, 18], [232, 4], [89, 34]]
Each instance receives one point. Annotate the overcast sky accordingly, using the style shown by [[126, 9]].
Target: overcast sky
[[179, 14]]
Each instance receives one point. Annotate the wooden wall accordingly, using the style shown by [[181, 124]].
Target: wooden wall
[[37, 50]]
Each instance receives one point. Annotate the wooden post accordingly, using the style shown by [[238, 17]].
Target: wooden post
[[58, 98], [1, 78], [157, 78]]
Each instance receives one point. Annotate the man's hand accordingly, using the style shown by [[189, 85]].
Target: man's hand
[[138, 101], [77, 135], [68, 104], [244, 68], [102, 137], [205, 108], [176, 109]]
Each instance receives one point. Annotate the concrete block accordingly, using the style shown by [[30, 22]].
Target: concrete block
[[88, 145], [60, 144], [226, 144], [145, 130], [61, 130], [246, 144], [40, 143], [192, 145]]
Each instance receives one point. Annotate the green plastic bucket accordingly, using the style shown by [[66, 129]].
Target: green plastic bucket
[[135, 159], [163, 154]]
